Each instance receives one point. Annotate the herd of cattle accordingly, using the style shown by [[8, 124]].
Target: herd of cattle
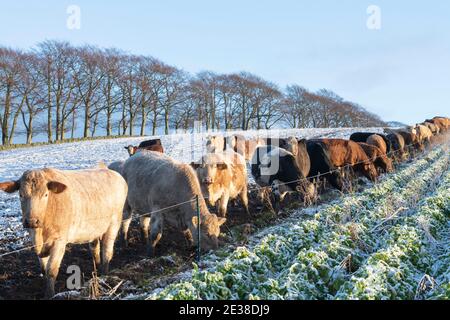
[[91, 206]]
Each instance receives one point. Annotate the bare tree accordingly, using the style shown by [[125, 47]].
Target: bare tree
[[88, 78]]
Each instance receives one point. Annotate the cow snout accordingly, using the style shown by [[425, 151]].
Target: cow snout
[[31, 223], [208, 181]]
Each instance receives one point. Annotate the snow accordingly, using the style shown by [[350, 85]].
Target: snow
[[184, 147]]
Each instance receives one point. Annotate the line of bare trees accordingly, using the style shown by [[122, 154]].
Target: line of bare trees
[[56, 88]]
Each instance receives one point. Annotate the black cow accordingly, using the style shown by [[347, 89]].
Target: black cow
[[150, 143], [278, 142], [397, 146], [321, 164], [277, 168], [363, 136]]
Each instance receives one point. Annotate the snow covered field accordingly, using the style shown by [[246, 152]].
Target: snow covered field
[[79, 155]]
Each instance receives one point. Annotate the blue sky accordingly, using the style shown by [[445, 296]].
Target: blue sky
[[401, 72]]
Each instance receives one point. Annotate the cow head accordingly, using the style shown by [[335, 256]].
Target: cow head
[[215, 144], [131, 149], [389, 164], [292, 145], [208, 171], [370, 171], [209, 230], [34, 190]]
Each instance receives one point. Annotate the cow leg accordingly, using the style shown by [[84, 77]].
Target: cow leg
[[223, 205], [244, 199], [108, 240], [145, 228], [155, 232], [127, 216], [186, 232], [95, 250], [125, 226], [43, 263], [53, 264]]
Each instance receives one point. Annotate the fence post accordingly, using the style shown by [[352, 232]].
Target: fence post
[[198, 228]]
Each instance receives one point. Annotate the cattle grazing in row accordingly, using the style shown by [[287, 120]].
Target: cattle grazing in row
[[277, 168], [156, 181], [62, 207], [322, 166], [348, 153], [223, 177], [377, 157]]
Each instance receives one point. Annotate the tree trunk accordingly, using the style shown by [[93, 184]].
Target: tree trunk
[[131, 124], [87, 121], [72, 130], [166, 122], [155, 119], [14, 124], [30, 130], [6, 114], [143, 122], [108, 124], [58, 115], [63, 128], [49, 107]]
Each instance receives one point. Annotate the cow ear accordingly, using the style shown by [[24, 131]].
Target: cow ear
[[221, 220], [195, 165], [56, 187], [10, 186], [222, 166], [126, 148]]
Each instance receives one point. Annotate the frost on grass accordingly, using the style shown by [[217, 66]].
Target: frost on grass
[[373, 245]]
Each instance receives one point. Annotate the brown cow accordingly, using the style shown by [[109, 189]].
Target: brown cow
[[441, 122], [424, 134], [349, 153], [378, 158], [154, 148], [433, 128], [301, 155], [215, 144], [61, 207], [377, 141], [251, 145], [223, 176], [237, 143], [397, 146]]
